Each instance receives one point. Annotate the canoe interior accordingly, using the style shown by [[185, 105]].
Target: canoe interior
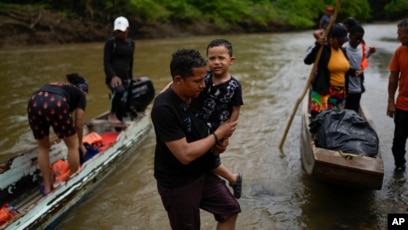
[[347, 170]]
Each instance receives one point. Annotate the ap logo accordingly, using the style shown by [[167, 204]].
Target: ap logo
[[397, 221]]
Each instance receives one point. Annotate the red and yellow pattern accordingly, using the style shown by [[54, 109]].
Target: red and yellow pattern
[[45, 110]]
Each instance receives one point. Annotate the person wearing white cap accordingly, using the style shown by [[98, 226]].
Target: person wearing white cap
[[118, 66], [121, 23]]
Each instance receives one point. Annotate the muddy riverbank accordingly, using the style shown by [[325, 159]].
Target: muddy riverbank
[[33, 26]]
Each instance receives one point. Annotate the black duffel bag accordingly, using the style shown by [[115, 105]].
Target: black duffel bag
[[344, 131]]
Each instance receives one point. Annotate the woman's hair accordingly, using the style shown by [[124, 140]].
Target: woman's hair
[[339, 31], [78, 81]]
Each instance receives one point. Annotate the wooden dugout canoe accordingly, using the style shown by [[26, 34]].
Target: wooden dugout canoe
[[20, 177], [349, 170]]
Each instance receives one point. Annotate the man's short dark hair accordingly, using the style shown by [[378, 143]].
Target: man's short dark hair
[[220, 42], [357, 29], [184, 60], [403, 23], [350, 22]]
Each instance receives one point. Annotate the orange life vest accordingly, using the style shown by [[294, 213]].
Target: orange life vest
[[7, 213], [61, 171], [364, 60]]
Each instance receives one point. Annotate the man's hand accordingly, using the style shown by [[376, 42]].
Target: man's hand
[[391, 110], [116, 81], [220, 147]]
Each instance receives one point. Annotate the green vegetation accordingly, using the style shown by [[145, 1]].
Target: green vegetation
[[224, 14], [396, 9]]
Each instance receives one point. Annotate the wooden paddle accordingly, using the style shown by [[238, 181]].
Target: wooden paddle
[[311, 75]]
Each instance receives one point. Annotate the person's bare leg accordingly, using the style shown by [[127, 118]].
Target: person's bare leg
[[228, 224], [44, 162], [73, 152], [112, 118], [223, 172]]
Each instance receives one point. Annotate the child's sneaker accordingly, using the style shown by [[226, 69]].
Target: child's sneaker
[[237, 187]]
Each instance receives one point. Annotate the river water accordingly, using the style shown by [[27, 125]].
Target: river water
[[277, 194]]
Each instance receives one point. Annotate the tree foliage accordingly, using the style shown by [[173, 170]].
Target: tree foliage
[[224, 13], [358, 9], [396, 9]]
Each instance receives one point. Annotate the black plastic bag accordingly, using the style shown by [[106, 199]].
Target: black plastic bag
[[344, 131]]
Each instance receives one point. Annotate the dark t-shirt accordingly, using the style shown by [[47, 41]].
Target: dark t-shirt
[[324, 21], [75, 97], [218, 101], [118, 58], [173, 120]]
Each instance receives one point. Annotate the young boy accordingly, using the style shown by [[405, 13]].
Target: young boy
[[357, 54], [221, 99]]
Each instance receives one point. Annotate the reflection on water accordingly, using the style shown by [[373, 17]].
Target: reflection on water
[[277, 194]]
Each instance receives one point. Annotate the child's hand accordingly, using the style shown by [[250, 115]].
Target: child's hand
[[226, 129], [358, 72], [220, 147]]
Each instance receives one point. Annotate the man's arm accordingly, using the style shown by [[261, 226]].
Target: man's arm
[[131, 59], [187, 152], [107, 60], [392, 88]]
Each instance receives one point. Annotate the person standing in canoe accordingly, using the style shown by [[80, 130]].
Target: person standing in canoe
[[118, 66], [51, 106], [329, 83], [325, 19], [357, 54], [398, 106], [187, 152]]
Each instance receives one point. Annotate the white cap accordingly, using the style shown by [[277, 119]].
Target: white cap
[[121, 23]]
